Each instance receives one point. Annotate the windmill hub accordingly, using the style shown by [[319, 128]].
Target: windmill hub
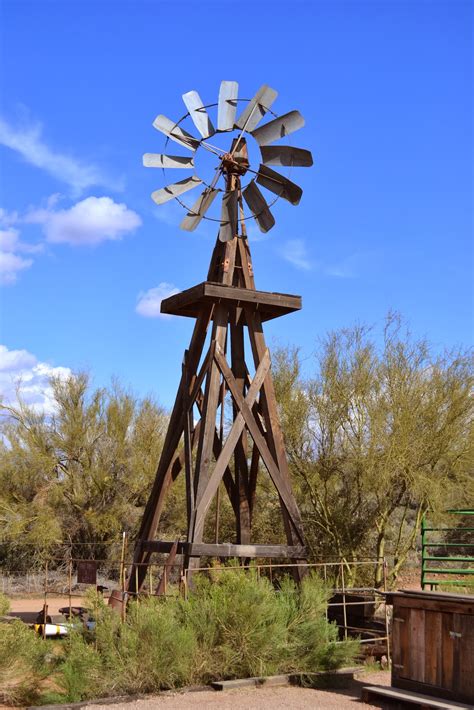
[[234, 165]]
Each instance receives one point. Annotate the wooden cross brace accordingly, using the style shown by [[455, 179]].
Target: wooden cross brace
[[245, 417]]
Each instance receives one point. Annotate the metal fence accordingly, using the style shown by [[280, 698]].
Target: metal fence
[[439, 554], [357, 610]]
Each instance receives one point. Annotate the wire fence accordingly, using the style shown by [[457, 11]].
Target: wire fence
[[357, 610]]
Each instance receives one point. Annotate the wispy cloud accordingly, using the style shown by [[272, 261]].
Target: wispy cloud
[[12, 261], [296, 253], [355, 264], [88, 222], [10, 266], [27, 141], [149, 302], [21, 372]]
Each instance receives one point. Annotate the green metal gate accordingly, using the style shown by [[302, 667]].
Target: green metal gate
[[440, 565]]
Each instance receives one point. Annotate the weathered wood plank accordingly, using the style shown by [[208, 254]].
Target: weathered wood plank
[[220, 549], [465, 627], [433, 648], [460, 604], [447, 644], [243, 519], [402, 698], [191, 301], [187, 433], [416, 631], [400, 650], [272, 680]]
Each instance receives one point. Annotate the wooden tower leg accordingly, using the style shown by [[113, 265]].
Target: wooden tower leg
[[207, 432], [241, 472]]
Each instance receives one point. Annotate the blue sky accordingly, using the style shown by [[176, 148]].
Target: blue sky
[[385, 221]]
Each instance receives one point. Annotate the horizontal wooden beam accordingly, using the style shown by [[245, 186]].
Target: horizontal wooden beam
[[190, 302], [204, 549]]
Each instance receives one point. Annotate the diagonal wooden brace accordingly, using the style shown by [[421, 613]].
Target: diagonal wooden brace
[[280, 482], [231, 441]]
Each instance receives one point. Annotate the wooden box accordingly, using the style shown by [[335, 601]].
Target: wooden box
[[433, 644]]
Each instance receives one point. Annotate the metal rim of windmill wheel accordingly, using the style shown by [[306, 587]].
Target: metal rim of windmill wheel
[[233, 163]]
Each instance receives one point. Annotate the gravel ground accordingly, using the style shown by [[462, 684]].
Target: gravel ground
[[284, 698]]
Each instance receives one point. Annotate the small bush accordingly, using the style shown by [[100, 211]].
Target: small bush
[[80, 673], [313, 642], [153, 650], [239, 626], [24, 661], [4, 604]]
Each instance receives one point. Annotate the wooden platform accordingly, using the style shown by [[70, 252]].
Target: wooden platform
[[396, 698], [191, 302]]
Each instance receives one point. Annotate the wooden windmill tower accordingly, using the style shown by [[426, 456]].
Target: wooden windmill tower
[[229, 312]]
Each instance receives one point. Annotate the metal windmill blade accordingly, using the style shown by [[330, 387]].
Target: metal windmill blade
[[229, 216], [198, 113], [258, 206], [234, 163], [227, 105], [177, 188], [158, 160], [278, 128], [286, 155], [173, 131], [279, 185], [199, 209], [256, 108]]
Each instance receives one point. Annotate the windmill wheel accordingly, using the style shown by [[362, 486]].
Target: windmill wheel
[[231, 163]]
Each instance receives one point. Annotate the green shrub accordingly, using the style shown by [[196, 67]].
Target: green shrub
[[151, 651], [235, 624], [239, 626], [24, 661], [313, 642], [80, 673], [4, 604]]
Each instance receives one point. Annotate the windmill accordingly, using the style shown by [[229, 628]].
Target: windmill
[[228, 313]]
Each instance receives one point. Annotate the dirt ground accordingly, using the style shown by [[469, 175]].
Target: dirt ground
[[278, 698], [29, 604]]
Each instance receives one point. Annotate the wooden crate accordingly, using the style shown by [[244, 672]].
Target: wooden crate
[[433, 644]]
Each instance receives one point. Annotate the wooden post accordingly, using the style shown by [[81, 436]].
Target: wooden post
[[70, 587], [387, 625], [344, 610], [150, 580], [45, 602]]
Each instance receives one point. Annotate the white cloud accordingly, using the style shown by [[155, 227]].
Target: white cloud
[[21, 371], [149, 302], [10, 265], [295, 252], [27, 142], [7, 218], [8, 239], [90, 221]]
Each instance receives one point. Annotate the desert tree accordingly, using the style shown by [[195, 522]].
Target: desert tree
[[378, 436]]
